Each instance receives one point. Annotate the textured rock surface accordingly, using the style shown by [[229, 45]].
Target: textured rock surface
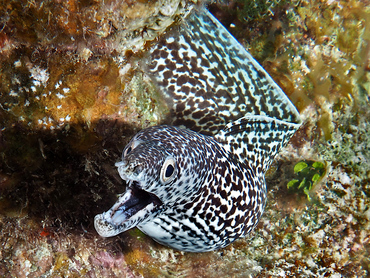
[[72, 95]]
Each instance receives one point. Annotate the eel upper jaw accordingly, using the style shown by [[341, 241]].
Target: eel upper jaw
[[132, 208]]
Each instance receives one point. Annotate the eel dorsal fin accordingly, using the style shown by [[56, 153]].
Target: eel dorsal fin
[[210, 80], [256, 140], [215, 87]]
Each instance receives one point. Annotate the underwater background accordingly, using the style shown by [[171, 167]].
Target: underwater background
[[73, 91]]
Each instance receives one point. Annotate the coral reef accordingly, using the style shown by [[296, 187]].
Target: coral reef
[[72, 95]]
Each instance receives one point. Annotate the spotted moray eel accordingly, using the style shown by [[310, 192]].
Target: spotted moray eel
[[198, 185]]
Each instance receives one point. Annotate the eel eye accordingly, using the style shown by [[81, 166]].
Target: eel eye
[[168, 170]]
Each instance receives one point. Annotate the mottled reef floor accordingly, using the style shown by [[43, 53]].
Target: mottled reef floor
[[73, 92]]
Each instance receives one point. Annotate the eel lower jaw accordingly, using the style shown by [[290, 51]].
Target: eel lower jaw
[[131, 209]]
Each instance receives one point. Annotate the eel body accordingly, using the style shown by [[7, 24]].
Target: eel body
[[198, 184]]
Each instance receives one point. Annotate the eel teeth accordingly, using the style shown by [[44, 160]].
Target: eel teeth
[[127, 211]]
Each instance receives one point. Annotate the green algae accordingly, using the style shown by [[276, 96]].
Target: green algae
[[308, 174], [257, 10]]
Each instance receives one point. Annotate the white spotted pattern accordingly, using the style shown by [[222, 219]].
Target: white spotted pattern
[[200, 186]]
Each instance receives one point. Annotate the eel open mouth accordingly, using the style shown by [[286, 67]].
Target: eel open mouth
[[132, 207]]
